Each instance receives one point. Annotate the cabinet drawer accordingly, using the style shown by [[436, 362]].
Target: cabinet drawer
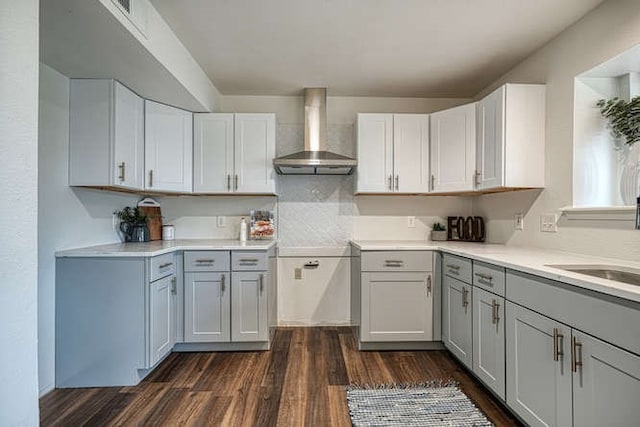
[[247, 261], [206, 261], [397, 261], [457, 267], [162, 266], [488, 277]]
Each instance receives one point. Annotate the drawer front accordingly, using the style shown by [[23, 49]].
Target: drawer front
[[206, 261], [397, 261], [162, 266], [489, 277], [457, 267], [249, 261]]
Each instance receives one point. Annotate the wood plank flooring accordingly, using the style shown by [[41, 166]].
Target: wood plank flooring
[[300, 382]]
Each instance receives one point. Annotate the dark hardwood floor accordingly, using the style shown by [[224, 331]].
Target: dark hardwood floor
[[300, 382]]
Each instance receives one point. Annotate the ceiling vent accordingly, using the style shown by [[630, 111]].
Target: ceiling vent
[[136, 13]]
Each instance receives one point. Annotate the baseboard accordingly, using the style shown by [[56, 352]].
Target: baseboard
[[401, 346]]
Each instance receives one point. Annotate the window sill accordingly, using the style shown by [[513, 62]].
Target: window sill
[[599, 213]]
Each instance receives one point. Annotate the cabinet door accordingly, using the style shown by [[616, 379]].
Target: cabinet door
[[397, 307], [453, 149], [249, 306], [212, 153], [411, 153], [254, 150], [161, 318], [457, 321], [168, 148], [128, 140], [488, 340], [538, 386], [375, 153], [606, 387], [206, 307], [490, 144]]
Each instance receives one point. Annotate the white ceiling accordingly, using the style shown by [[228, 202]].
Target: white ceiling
[[414, 48]]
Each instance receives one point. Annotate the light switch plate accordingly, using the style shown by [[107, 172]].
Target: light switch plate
[[221, 221], [297, 274], [548, 223], [519, 221], [411, 221]]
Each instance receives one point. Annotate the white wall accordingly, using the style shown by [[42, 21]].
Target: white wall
[[18, 212], [67, 218], [607, 31]]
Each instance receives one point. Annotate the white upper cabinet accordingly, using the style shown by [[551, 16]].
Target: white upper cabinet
[[393, 153], [453, 149], [511, 138], [168, 148], [234, 153], [106, 144]]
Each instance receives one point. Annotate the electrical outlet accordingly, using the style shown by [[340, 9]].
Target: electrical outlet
[[519, 221], [221, 221], [297, 274], [115, 222], [548, 223], [411, 221]]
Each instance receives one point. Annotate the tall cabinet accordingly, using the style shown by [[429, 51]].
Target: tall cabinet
[[393, 153], [168, 148], [233, 153], [106, 135], [511, 138]]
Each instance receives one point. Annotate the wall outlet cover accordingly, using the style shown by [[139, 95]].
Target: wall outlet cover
[[411, 221], [549, 223], [297, 274], [221, 221]]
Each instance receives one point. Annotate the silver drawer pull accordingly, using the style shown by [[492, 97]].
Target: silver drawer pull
[[168, 264], [484, 277], [205, 261], [222, 284], [312, 264], [453, 267], [249, 260]]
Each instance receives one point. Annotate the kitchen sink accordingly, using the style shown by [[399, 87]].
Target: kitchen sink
[[616, 273]]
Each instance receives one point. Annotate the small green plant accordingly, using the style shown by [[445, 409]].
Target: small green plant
[[623, 117], [438, 227], [131, 215]]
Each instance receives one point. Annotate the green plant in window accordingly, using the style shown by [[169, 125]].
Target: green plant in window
[[623, 118]]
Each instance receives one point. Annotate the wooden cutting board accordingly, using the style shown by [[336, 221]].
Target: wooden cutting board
[[154, 222]]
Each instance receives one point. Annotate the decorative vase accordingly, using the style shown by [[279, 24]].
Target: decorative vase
[[439, 236], [630, 175]]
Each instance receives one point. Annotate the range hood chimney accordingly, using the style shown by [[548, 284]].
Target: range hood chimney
[[315, 159]]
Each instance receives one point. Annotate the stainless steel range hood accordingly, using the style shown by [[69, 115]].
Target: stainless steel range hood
[[315, 159]]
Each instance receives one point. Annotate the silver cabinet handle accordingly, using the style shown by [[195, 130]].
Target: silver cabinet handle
[[465, 297], [235, 183], [151, 178], [477, 178], [174, 281], [222, 284], [390, 182], [163, 266], [495, 313], [121, 175], [205, 261], [393, 263], [486, 277], [261, 283], [453, 267], [228, 182], [312, 264], [557, 345], [433, 182], [575, 360], [429, 285], [397, 182]]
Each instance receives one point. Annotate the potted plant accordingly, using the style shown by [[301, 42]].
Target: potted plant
[[133, 224], [623, 118], [438, 232]]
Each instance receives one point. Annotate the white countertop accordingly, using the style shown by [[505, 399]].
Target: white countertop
[[528, 260], [160, 247]]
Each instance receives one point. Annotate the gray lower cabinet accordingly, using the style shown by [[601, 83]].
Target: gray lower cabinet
[[457, 319], [115, 318], [394, 298], [207, 297], [606, 384], [249, 321], [489, 340], [538, 385]]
